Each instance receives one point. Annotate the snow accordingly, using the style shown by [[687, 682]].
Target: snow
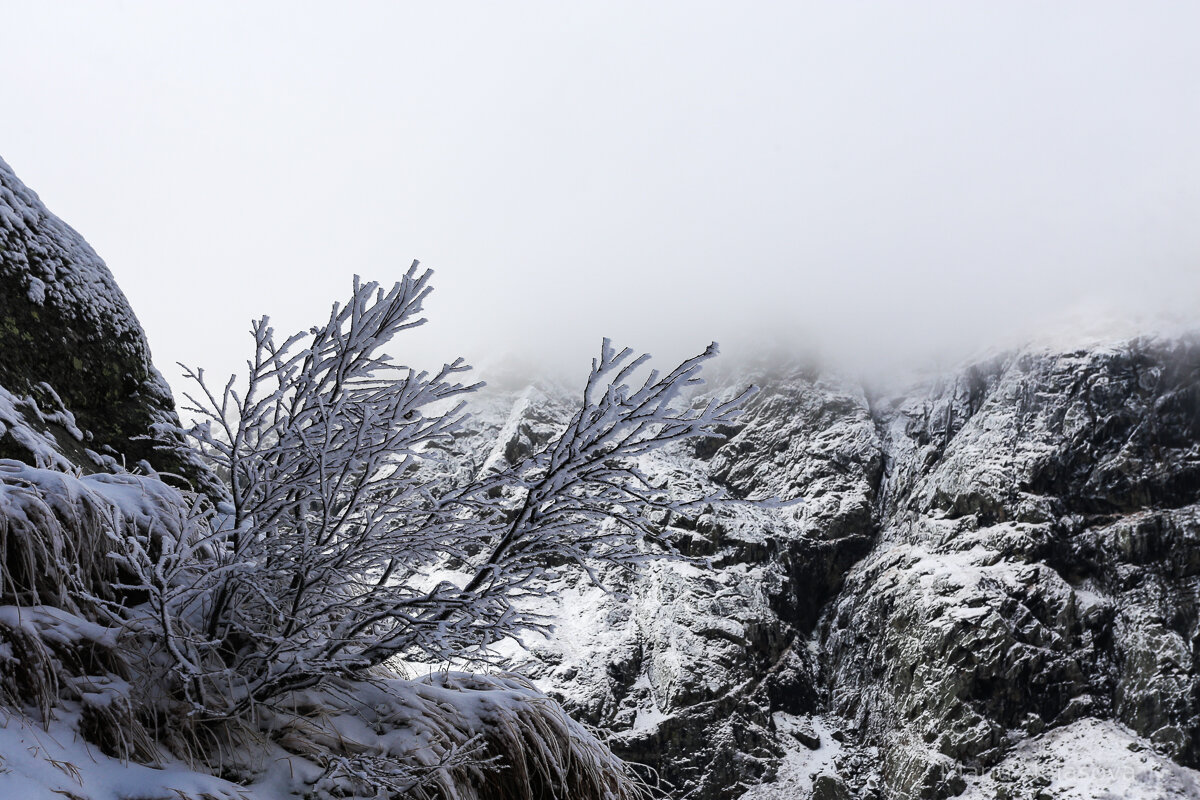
[[404, 725], [37, 291], [55, 625], [1089, 759], [54, 763], [800, 765], [18, 416], [580, 626], [650, 716]]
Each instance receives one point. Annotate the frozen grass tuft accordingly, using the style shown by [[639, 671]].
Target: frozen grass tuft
[[64, 655]]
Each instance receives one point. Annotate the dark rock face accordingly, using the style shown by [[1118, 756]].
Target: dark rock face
[[989, 570], [687, 672], [69, 340], [1035, 565]]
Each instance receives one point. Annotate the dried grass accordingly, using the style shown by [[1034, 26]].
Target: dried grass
[[57, 643], [53, 539], [451, 736]]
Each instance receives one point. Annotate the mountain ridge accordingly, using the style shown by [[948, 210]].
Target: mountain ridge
[[987, 558]]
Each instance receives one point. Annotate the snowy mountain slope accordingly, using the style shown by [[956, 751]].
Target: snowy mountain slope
[[682, 665], [986, 565]]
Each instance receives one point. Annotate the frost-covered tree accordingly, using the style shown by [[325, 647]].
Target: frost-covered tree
[[338, 548]]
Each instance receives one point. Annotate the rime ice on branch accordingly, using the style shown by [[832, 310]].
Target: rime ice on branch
[[322, 562]]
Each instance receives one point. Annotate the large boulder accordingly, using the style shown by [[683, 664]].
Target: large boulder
[[73, 357]]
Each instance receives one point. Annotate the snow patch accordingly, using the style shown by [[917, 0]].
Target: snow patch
[[801, 765], [53, 763], [1089, 759], [37, 291]]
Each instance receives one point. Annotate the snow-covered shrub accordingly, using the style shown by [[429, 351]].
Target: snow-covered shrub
[[344, 542], [332, 554], [443, 737]]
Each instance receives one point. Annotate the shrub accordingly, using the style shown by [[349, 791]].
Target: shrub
[[329, 555]]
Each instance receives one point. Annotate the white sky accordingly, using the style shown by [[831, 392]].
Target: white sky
[[877, 179]]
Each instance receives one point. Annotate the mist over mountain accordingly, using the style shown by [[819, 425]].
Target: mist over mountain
[[877, 184]]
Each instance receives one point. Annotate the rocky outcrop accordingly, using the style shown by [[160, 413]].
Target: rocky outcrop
[[686, 665], [1033, 568], [986, 564], [73, 357]]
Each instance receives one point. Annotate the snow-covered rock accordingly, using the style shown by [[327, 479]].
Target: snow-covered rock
[[993, 573], [74, 364], [1086, 760]]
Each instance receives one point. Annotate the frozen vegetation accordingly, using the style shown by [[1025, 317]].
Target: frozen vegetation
[[256, 619]]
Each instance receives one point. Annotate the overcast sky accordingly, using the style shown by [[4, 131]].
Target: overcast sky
[[881, 180]]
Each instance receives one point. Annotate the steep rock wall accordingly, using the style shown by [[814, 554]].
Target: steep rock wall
[[998, 564]]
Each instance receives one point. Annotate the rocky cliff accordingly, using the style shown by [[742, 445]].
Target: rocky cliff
[[992, 587]]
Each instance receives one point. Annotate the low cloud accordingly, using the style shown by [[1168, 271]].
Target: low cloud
[[881, 185]]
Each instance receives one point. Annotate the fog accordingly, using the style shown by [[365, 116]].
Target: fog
[[882, 183]]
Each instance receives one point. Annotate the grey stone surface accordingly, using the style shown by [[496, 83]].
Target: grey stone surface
[[981, 560], [69, 341]]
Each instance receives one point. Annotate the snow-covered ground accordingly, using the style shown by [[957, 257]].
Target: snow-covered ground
[[54, 762], [1089, 759], [802, 765]]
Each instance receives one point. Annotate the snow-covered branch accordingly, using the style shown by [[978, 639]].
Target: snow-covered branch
[[322, 562]]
